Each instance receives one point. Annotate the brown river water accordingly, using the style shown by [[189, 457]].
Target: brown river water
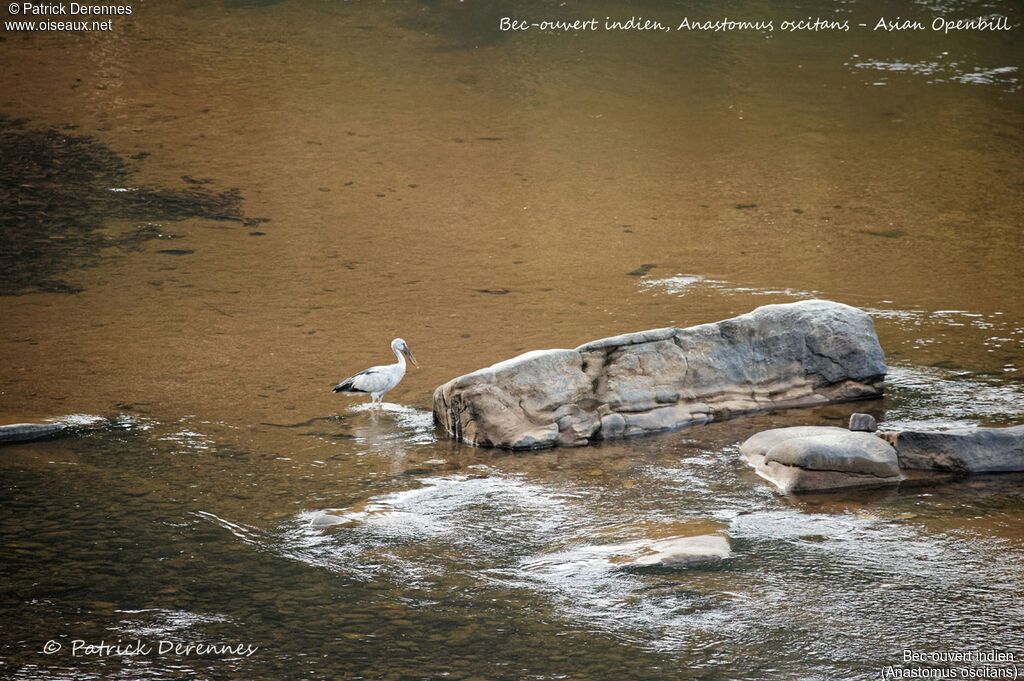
[[215, 211]]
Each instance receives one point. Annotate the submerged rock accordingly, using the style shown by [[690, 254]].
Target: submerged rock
[[327, 520], [818, 459], [684, 552], [800, 354], [24, 432], [60, 192], [963, 450]]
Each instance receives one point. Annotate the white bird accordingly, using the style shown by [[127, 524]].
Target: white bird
[[378, 380]]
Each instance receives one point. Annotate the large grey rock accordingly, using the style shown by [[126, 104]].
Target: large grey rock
[[796, 355], [818, 459], [963, 450]]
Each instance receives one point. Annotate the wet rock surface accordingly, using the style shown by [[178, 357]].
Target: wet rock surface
[[863, 422], [683, 552], [963, 450], [327, 520], [72, 424], [800, 354], [816, 459], [25, 432]]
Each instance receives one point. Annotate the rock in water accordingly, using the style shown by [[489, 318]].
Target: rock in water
[[23, 432], [327, 520], [963, 450], [821, 459], [800, 354], [863, 422], [684, 552]]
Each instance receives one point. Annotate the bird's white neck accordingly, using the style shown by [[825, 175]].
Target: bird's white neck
[[401, 358]]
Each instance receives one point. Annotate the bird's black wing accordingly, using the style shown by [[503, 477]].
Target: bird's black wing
[[347, 386]]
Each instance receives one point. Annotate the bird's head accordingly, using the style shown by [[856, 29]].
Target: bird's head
[[399, 345]]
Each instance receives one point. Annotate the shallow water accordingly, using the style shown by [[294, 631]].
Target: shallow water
[[216, 211]]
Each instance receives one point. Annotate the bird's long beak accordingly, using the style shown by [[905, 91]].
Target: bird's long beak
[[408, 353]]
